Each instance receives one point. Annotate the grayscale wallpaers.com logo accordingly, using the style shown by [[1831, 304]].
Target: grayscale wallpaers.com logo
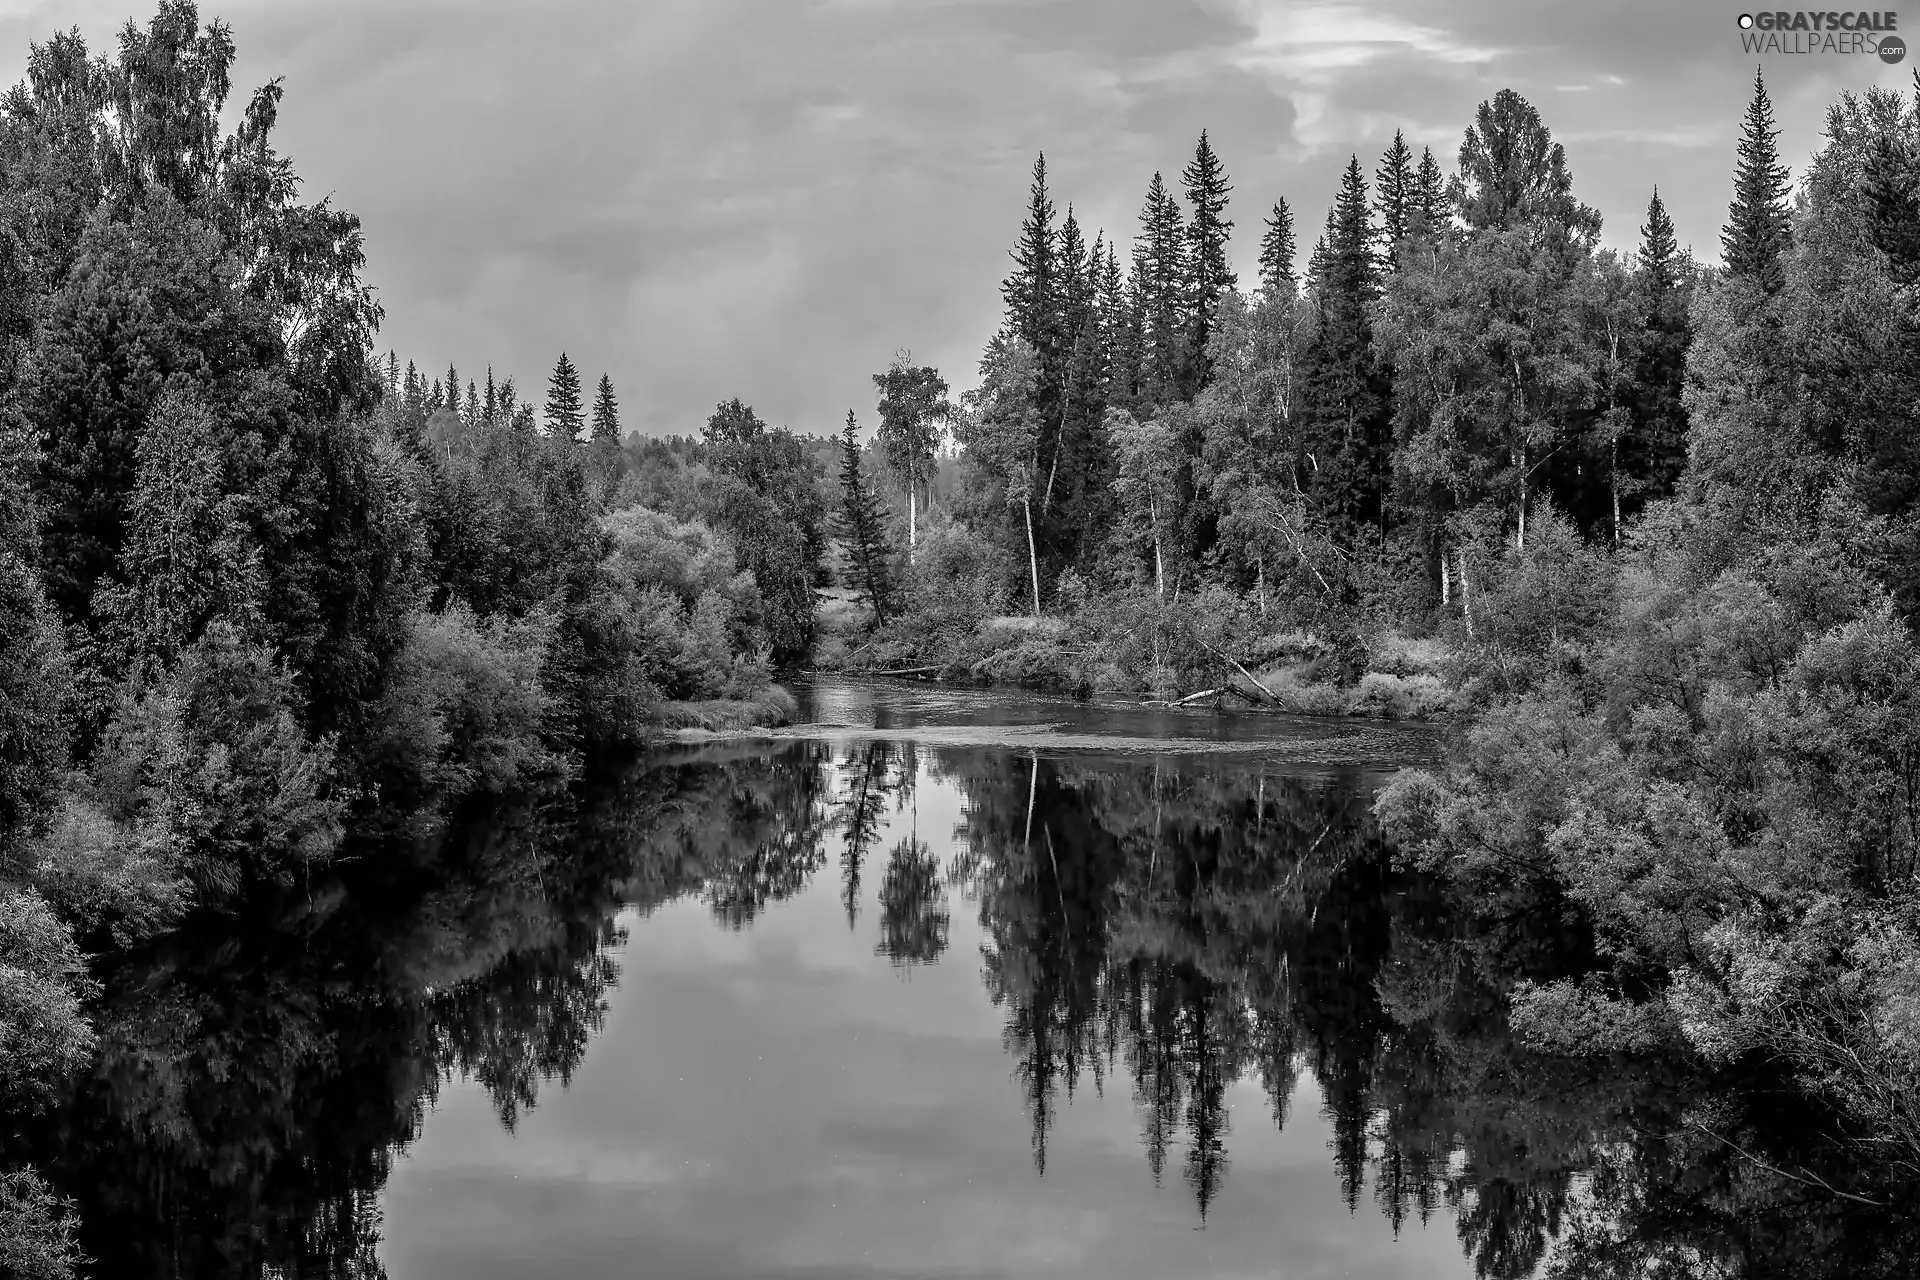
[[1828, 32]]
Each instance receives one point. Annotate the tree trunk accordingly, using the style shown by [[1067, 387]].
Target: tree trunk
[[1159, 563], [1260, 581], [913, 513], [1613, 467], [1520, 534], [1033, 559], [1466, 603], [1446, 579]]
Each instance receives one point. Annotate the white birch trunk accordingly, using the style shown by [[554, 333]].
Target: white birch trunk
[[1033, 560]]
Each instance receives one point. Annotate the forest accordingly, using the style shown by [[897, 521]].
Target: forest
[[1648, 531]]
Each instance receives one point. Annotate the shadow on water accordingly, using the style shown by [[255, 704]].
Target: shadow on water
[[1165, 927]]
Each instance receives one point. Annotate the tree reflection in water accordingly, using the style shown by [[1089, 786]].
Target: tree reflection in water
[[1191, 926]]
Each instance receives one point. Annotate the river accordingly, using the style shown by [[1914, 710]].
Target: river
[[942, 984]]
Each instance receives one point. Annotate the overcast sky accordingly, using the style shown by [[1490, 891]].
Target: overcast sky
[[765, 198]]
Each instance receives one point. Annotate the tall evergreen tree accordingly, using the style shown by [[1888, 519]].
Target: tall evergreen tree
[[453, 388], [606, 414], [1346, 403], [1032, 292], [1654, 451], [1395, 185], [565, 416], [862, 525], [1277, 251], [475, 410], [1758, 227], [1428, 206], [1160, 279], [1119, 331], [490, 406], [1211, 275]]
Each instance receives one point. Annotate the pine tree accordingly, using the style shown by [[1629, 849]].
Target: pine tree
[[474, 407], [1428, 213], [1758, 228], [1396, 184], [606, 414], [453, 390], [1659, 250], [1345, 396], [1032, 291], [1119, 332], [1654, 451], [490, 406], [1317, 269], [1211, 274], [862, 525], [436, 398], [565, 419], [1160, 277], [1276, 253], [414, 389]]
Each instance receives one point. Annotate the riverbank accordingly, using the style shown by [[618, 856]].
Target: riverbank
[[1385, 676]]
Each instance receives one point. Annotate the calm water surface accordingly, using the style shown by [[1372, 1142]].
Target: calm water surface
[[875, 1074], [946, 985]]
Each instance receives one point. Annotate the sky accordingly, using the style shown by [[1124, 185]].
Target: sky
[[768, 198]]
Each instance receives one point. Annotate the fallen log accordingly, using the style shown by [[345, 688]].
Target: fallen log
[[1264, 691]]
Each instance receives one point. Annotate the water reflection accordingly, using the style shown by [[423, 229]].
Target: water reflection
[[1172, 931]]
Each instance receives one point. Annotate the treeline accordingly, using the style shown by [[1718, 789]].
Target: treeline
[[1456, 355]]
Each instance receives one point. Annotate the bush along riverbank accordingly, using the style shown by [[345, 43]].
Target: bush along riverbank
[[1212, 653]]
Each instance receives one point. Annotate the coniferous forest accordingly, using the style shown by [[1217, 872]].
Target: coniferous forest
[[1644, 532]]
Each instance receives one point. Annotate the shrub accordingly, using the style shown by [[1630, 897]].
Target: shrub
[[212, 766], [104, 878], [465, 709], [36, 1230], [44, 1036]]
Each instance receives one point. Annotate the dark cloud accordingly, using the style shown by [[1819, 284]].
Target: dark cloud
[[765, 198]]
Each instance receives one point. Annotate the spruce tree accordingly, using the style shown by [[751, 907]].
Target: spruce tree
[[1654, 450], [474, 406], [1119, 332], [1659, 249], [1428, 213], [1160, 278], [490, 406], [862, 523], [1758, 228], [1276, 253], [1394, 182], [565, 416], [1032, 291], [606, 414], [1210, 273], [1346, 396], [453, 389]]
